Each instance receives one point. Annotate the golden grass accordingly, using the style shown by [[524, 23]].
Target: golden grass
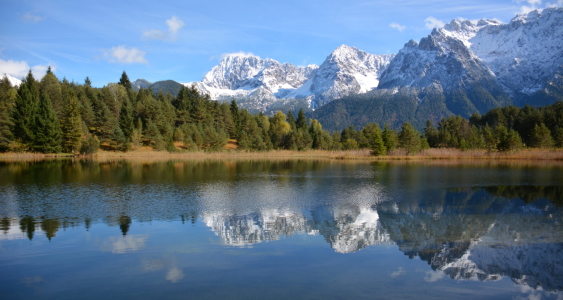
[[146, 153]]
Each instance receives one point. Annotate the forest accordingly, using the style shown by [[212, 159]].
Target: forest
[[58, 116]]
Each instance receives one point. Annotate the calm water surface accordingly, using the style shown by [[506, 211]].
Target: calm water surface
[[279, 230]]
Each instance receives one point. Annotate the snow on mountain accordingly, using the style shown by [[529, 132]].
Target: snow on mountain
[[13, 80], [239, 75], [520, 56], [347, 70], [493, 63]]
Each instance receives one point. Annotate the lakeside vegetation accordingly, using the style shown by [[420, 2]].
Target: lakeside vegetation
[[53, 117]]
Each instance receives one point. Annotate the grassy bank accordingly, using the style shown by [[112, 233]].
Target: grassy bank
[[430, 154]]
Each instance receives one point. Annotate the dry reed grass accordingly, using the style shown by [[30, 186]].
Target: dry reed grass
[[434, 154]]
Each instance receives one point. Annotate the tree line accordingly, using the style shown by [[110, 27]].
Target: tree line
[[54, 116]]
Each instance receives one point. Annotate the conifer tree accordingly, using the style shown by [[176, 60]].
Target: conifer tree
[[124, 81], [378, 148], [301, 120], [126, 119], [71, 124], [6, 135], [541, 136], [389, 137], [25, 110], [409, 138], [489, 138], [47, 137], [7, 98], [291, 120], [50, 85]]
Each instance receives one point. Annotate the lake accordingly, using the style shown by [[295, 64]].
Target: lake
[[298, 229]]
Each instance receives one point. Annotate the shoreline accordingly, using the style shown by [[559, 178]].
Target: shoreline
[[435, 154]]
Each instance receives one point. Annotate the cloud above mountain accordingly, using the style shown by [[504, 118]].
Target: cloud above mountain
[[174, 25]]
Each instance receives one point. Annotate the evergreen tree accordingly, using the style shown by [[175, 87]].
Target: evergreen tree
[[541, 137], [50, 85], [389, 137], [7, 98], [47, 137], [558, 136], [301, 120], [409, 138], [124, 81], [378, 148], [431, 134], [489, 138], [6, 135], [71, 124], [126, 119], [291, 120], [25, 111], [236, 120]]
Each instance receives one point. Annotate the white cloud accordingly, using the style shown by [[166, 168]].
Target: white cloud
[[123, 55], [19, 69], [174, 24], [29, 18], [432, 23], [397, 273], [240, 54], [530, 5], [174, 274], [124, 244], [433, 276], [397, 26]]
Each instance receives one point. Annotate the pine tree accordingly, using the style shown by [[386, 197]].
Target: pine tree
[[301, 120], [541, 136], [47, 137], [7, 98], [50, 85], [489, 138], [378, 148], [25, 111], [71, 124], [389, 137], [409, 138], [291, 120], [126, 119], [124, 81]]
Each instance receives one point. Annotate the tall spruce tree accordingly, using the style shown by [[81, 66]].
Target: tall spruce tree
[[124, 81], [71, 123], [378, 148], [126, 119], [50, 85], [47, 137], [25, 110], [409, 138], [7, 98], [301, 120]]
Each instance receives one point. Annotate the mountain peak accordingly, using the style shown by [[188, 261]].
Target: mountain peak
[[13, 80]]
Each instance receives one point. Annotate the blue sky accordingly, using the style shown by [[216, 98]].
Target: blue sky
[[183, 40]]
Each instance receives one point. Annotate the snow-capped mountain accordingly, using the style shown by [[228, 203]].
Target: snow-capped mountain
[[13, 80], [347, 70], [475, 66], [515, 58]]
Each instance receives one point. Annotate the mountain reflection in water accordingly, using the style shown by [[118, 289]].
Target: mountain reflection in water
[[477, 233]]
